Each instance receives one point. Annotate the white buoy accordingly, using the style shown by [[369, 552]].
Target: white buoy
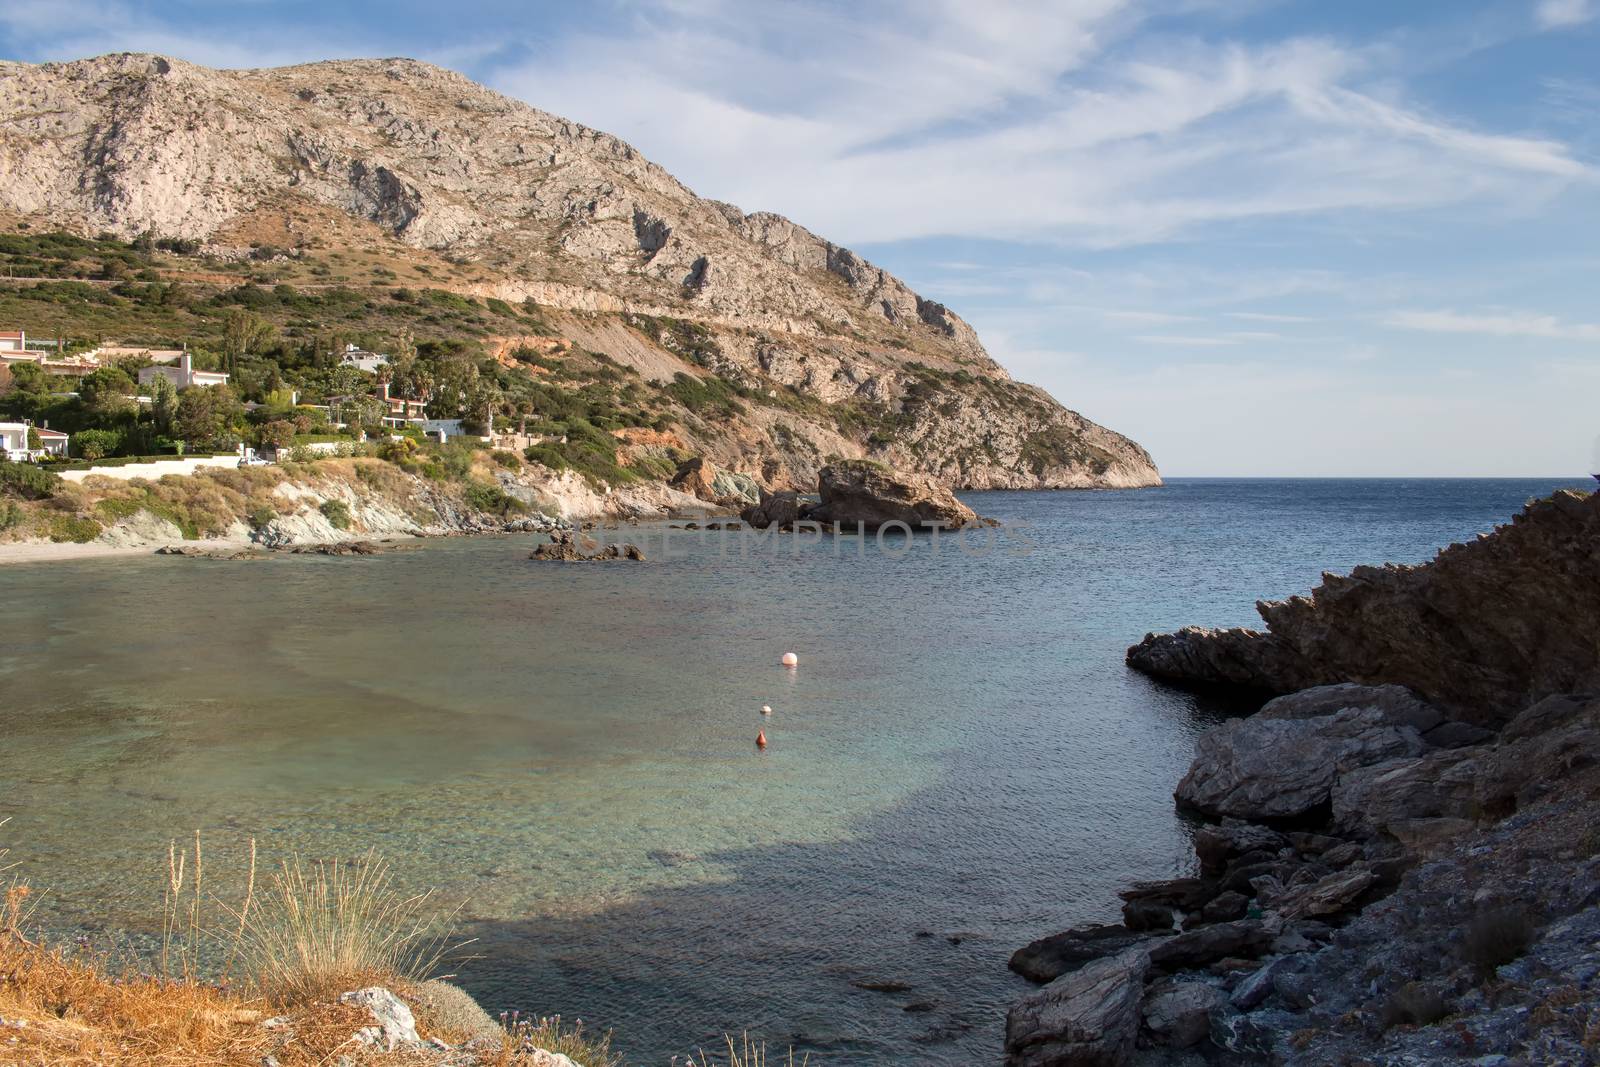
[[766, 709], [791, 660]]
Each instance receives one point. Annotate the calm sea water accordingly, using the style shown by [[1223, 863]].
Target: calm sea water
[[961, 762]]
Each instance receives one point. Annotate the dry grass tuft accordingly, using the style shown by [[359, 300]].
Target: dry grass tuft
[[550, 1034], [323, 928], [745, 1054]]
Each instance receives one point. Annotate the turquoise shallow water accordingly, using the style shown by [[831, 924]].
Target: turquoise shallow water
[[960, 764]]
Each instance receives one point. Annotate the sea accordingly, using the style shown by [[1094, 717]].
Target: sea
[[565, 754]]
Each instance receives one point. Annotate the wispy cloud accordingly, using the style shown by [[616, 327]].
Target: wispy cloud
[[1555, 14], [1186, 341], [1262, 316], [1503, 324]]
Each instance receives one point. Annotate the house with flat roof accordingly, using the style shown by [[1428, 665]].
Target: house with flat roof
[[183, 375], [360, 358]]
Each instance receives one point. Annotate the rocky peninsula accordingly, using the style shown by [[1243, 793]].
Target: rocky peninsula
[[1398, 859]]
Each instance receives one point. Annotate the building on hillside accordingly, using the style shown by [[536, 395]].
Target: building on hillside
[[397, 412], [15, 348], [125, 353], [14, 442], [183, 375], [361, 359]]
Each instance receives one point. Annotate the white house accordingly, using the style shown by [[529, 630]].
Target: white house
[[183, 375], [360, 358], [14, 442], [14, 350]]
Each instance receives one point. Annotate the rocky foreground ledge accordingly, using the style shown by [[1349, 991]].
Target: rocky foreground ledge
[[1388, 873]]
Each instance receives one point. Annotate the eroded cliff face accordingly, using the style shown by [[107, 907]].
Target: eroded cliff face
[[540, 208], [1484, 629]]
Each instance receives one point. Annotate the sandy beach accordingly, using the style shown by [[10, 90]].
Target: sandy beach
[[51, 551]]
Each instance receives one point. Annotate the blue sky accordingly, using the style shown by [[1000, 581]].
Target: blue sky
[[1259, 236]]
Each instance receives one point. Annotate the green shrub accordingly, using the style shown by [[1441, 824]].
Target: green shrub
[[74, 529], [506, 459], [337, 512], [261, 515], [11, 515], [95, 443], [494, 500], [27, 482]]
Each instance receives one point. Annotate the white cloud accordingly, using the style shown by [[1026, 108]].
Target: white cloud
[[1503, 324], [1262, 316], [1554, 14], [1059, 129]]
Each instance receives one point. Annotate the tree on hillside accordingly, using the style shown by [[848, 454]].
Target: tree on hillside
[[209, 415], [163, 403], [244, 333], [107, 394]]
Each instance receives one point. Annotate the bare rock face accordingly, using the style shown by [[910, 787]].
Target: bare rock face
[[1282, 765], [1088, 1018], [542, 209], [701, 478], [775, 509], [1484, 628], [874, 496]]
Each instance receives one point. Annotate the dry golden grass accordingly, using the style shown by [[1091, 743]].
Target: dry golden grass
[[240, 983]]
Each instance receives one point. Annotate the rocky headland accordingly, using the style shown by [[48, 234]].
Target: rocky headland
[[1398, 860], [762, 346]]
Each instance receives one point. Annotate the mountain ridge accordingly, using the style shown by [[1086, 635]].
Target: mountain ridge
[[525, 205]]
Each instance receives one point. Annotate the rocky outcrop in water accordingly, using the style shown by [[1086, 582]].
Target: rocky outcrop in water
[[1483, 629], [1386, 882], [1440, 904], [566, 547], [869, 496], [874, 496]]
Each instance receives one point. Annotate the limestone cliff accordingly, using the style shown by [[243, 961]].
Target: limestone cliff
[[498, 200]]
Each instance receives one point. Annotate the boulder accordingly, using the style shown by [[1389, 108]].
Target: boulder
[[1178, 1014], [1328, 895], [1368, 800], [1244, 939], [1185, 893], [875, 496], [1051, 957], [1398, 704], [1217, 845], [1270, 767], [1226, 908], [774, 509], [1089, 1018], [396, 1025], [1146, 915]]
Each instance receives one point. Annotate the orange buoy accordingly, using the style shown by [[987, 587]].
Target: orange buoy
[[766, 709], [761, 739], [791, 660]]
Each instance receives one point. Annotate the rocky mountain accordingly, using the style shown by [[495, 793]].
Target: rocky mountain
[[493, 199]]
